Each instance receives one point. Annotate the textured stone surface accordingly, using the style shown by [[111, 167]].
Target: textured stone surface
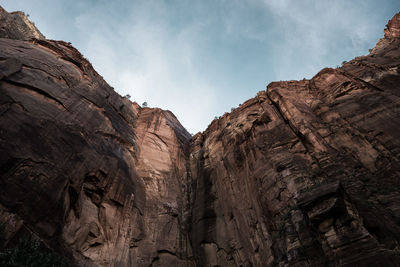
[[16, 25], [91, 173], [304, 174], [393, 27]]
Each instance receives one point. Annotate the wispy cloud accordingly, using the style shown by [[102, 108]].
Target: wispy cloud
[[153, 61], [323, 33], [199, 58]]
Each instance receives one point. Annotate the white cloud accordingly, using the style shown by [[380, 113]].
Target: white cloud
[[199, 58], [313, 28], [143, 56]]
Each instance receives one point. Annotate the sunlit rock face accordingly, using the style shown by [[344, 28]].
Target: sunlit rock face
[[91, 173], [304, 174], [393, 27], [16, 25]]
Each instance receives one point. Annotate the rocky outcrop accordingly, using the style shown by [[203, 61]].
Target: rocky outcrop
[[393, 27], [304, 174], [16, 25]]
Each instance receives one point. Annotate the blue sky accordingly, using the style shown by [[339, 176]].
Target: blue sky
[[200, 58]]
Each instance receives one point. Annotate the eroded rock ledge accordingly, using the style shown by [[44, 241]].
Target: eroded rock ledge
[[304, 174]]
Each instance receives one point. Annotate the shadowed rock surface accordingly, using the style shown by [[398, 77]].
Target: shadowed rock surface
[[304, 174], [85, 169]]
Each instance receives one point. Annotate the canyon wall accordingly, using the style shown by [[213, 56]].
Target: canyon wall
[[89, 172], [304, 174]]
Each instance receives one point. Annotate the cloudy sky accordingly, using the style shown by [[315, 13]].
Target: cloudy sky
[[200, 58]]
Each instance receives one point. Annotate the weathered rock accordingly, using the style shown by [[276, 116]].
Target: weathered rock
[[304, 174], [16, 25], [393, 27], [85, 169]]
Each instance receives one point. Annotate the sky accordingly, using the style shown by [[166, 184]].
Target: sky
[[200, 58]]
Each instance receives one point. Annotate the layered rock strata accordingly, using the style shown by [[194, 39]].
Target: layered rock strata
[[83, 168], [304, 174]]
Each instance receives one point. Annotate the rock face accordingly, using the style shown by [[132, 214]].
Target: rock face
[[393, 27], [304, 174], [16, 25], [83, 168]]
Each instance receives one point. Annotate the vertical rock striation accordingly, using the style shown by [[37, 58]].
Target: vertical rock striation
[[86, 170], [304, 174]]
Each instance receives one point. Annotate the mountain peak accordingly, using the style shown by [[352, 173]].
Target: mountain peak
[[393, 27], [16, 25]]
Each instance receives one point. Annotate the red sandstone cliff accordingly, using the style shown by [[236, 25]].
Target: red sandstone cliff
[[304, 174], [89, 172]]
